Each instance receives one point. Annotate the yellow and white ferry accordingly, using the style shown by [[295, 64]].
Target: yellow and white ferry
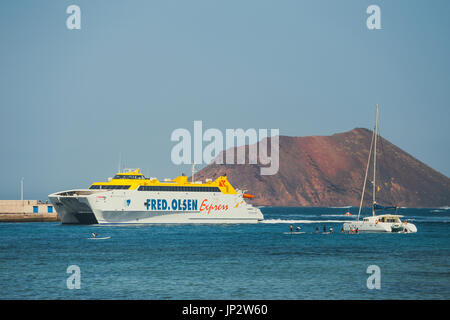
[[129, 197]]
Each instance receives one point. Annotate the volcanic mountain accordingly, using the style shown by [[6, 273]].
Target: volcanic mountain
[[329, 171]]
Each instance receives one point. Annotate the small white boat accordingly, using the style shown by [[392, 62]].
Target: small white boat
[[377, 223], [99, 238]]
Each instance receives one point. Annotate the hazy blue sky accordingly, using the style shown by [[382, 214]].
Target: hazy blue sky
[[72, 100]]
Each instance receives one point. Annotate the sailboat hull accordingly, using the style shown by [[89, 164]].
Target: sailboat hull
[[367, 227], [379, 227]]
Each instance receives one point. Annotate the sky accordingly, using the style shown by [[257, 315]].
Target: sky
[[74, 102]]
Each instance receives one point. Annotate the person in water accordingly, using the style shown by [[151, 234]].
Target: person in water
[[94, 235], [325, 228], [298, 228], [331, 230], [292, 227], [342, 230], [317, 230]]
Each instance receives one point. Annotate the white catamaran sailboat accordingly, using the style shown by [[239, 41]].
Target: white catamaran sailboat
[[377, 223]]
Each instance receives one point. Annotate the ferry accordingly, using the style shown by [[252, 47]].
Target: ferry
[[131, 198]]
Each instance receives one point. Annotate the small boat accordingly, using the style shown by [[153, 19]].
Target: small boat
[[294, 232], [377, 223], [99, 238]]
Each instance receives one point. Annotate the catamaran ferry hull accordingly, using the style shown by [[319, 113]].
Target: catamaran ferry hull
[[141, 207], [73, 208]]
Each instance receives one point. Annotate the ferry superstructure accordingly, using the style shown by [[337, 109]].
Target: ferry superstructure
[[129, 198]]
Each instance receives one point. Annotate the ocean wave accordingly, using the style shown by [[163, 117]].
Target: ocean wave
[[429, 220], [274, 221], [410, 219], [297, 215], [345, 207], [337, 215]]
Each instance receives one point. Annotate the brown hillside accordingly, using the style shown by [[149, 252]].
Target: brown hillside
[[329, 171]]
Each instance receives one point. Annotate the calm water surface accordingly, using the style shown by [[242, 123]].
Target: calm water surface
[[228, 261]]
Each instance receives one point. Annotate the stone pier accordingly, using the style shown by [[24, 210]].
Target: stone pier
[[27, 211]]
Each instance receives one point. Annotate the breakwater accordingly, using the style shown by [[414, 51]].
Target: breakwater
[[27, 211]]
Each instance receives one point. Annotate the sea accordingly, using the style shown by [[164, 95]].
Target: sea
[[231, 262]]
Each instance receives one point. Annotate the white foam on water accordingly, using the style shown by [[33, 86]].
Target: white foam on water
[[345, 207], [302, 221], [336, 215], [300, 215]]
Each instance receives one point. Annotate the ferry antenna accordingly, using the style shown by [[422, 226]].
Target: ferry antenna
[[193, 172]]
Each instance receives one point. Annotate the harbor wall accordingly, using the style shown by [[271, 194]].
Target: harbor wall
[[25, 206], [27, 211]]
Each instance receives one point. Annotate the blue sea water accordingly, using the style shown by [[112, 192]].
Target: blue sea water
[[228, 261]]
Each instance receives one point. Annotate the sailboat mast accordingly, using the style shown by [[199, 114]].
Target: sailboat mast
[[365, 177], [375, 164], [193, 172]]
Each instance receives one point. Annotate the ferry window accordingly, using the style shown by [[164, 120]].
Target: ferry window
[[127, 176], [109, 187]]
